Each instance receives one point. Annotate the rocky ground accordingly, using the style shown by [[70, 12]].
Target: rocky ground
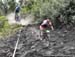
[[59, 44]]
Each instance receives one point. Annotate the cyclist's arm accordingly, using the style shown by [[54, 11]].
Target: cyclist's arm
[[51, 25]]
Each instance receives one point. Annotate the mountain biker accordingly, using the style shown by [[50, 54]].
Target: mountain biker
[[46, 24], [17, 10]]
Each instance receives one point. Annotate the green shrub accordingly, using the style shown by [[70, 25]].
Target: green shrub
[[2, 21], [51, 9], [6, 28], [41, 8]]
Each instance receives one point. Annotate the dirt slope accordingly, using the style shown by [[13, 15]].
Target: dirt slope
[[58, 43]]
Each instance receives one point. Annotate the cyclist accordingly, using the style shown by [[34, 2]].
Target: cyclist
[[45, 24], [17, 10]]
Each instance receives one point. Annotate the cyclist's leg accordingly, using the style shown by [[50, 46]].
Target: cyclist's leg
[[17, 17], [41, 32], [41, 28]]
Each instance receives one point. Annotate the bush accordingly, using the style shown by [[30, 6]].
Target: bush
[[6, 28], [42, 8], [3, 21]]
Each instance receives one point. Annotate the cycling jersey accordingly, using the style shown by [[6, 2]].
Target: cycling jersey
[[17, 9], [45, 22]]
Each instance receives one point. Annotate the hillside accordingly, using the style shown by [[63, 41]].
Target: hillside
[[20, 30], [59, 43]]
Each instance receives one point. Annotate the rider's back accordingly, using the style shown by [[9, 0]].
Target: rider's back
[[44, 22], [17, 9]]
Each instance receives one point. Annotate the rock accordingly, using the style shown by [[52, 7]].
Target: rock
[[48, 53]]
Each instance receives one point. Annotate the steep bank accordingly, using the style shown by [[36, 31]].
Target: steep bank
[[58, 43]]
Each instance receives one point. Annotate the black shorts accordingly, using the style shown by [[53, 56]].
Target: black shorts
[[44, 26]]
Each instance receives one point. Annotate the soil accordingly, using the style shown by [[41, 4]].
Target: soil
[[60, 43]]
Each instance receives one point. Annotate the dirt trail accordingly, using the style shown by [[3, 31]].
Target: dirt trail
[[26, 21], [59, 43]]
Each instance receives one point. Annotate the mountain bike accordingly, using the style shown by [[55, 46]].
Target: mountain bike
[[44, 34]]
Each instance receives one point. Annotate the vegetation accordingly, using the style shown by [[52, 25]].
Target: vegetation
[[6, 7], [5, 28], [40, 9], [51, 9]]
